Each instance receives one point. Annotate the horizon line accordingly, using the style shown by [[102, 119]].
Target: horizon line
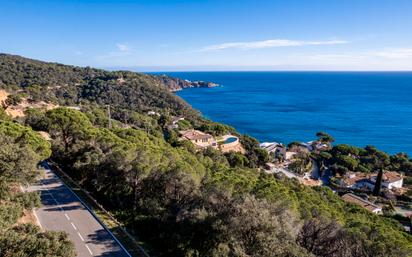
[[133, 69]]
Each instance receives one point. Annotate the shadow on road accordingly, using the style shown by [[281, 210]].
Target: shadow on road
[[59, 196], [103, 238]]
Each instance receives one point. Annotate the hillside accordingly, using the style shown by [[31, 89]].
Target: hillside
[[71, 85], [178, 200]]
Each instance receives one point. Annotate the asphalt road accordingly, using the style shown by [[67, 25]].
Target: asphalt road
[[62, 211]]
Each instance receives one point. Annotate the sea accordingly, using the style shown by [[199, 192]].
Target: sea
[[357, 108]]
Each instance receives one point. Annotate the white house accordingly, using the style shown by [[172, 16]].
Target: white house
[[390, 179], [275, 149], [153, 113]]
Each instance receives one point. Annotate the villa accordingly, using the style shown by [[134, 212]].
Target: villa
[[277, 150], [198, 138], [357, 180], [201, 140], [390, 180], [351, 198], [317, 145]]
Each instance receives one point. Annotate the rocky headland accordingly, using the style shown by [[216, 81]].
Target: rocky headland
[[177, 84]]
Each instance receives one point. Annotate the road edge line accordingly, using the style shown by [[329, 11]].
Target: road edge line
[[93, 214]]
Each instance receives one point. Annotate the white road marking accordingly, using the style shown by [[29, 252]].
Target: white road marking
[[67, 216], [90, 251], [48, 189], [80, 236]]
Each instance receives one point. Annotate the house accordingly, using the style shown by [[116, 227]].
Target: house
[[317, 146], [153, 113], [351, 198], [277, 150], [390, 180], [307, 145], [357, 180], [198, 138]]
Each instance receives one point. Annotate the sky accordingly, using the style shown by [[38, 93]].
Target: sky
[[221, 35]]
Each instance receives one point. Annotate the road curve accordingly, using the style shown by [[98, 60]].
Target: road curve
[[61, 210]]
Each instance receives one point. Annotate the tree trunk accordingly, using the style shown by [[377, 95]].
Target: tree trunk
[[378, 183]]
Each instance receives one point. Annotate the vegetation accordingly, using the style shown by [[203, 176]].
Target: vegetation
[[183, 202], [343, 158], [301, 164], [70, 85], [187, 203], [255, 155], [21, 149], [325, 137]]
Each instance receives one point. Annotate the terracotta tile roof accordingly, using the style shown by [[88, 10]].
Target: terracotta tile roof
[[194, 134], [352, 178], [391, 176], [351, 198]]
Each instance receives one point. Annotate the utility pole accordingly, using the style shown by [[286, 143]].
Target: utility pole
[[109, 115]]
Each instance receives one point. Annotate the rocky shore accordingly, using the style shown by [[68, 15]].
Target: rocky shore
[[177, 84]]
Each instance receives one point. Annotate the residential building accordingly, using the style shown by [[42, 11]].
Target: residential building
[[153, 113], [198, 138], [351, 198], [390, 180], [357, 180], [277, 150]]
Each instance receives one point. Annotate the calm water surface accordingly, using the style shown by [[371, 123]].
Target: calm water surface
[[357, 108]]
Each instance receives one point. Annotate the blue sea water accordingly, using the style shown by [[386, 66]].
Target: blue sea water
[[358, 108]]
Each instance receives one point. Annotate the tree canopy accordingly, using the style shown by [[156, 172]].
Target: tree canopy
[[20, 151]]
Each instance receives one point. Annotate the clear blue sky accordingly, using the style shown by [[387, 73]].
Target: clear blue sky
[[212, 35]]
